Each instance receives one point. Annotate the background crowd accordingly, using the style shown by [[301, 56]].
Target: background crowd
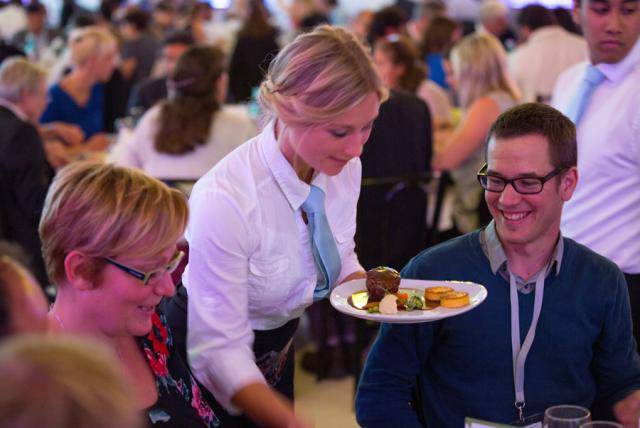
[[108, 118]]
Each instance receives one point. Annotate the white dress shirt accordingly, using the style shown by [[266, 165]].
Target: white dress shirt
[[250, 261], [604, 212], [536, 64], [230, 128]]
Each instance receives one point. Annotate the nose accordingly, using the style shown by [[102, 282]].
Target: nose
[[614, 22], [509, 196], [353, 148], [165, 286]]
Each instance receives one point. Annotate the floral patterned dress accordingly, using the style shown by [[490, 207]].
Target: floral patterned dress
[[181, 400]]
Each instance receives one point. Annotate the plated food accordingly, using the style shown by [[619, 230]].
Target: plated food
[[454, 298], [383, 295]]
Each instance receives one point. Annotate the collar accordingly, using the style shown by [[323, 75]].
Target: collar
[[616, 72], [497, 257], [14, 109], [295, 190]]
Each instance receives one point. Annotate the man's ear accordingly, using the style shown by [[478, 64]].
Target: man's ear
[[575, 12], [568, 183], [77, 268]]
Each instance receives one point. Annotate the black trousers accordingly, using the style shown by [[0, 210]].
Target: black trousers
[[633, 284], [272, 348]]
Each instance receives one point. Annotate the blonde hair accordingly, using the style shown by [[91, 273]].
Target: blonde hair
[[107, 211], [90, 42], [61, 382], [317, 77], [480, 65], [18, 75]]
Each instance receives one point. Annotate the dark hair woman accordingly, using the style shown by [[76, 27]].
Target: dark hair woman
[[184, 136]]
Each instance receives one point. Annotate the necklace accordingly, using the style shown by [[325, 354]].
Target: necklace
[[58, 319], [62, 327]]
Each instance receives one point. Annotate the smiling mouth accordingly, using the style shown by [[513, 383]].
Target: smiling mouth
[[515, 216], [147, 308]]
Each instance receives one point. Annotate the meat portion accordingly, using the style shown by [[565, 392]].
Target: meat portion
[[382, 280]]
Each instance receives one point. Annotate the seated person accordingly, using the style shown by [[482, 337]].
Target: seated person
[[79, 97], [65, 382], [583, 352], [23, 306], [139, 48], [185, 136], [113, 271], [149, 91], [25, 173]]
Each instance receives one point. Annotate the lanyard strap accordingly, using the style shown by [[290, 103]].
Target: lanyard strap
[[519, 353]]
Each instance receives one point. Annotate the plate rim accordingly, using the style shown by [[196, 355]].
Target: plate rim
[[405, 317]]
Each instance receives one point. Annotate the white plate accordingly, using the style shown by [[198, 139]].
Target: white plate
[[340, 294]]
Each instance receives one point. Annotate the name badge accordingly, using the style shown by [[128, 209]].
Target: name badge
[[477, 423]]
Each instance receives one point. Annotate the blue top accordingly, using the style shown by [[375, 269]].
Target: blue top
[[63, 108], [436, 69], [583, 352]]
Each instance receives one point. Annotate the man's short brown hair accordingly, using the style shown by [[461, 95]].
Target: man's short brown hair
[[539, 119]]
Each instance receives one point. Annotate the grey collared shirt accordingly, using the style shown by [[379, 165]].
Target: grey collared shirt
[[492, 248]]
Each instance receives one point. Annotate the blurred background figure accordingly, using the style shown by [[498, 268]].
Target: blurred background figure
[[37, 37], [199, 17], [185, 136], [493, 18], [256, 45], [139, 48], [361, 24], [62, 382], [25, 173], [385, 22], [23, 305], [13, 19], [399, 67], [113, 271], [79, 97], [547, 50], [424, 13], [484, 89], [163, 19], [436, 41], [154, 89]]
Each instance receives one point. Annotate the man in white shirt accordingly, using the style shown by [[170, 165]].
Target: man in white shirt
[[547, 51], [604, 213]]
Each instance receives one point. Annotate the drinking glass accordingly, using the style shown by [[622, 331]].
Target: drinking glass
[[566, 416], [601, 424]]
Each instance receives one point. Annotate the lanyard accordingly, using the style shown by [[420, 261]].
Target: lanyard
[[520, 353]]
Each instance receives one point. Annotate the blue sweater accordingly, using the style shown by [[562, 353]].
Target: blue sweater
[[583, 352], [63, 108]]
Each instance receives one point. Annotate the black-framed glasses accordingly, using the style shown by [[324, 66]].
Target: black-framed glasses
[[147, 277], [522, 185]]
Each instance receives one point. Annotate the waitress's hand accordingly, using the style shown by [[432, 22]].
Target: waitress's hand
[[298, 422], [268, 408], [627, 410], [359, 274]]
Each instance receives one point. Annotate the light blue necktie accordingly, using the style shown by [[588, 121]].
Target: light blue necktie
[[593, 77], [323, 245]]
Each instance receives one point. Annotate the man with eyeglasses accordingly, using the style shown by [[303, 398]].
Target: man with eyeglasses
[[555, 327]]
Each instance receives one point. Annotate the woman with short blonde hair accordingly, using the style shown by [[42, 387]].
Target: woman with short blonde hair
[[479, 76], [79, 96], [109, 237], [255, 262]]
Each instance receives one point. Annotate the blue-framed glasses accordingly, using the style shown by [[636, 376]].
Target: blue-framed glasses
[[147, 277], [522, 185]]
